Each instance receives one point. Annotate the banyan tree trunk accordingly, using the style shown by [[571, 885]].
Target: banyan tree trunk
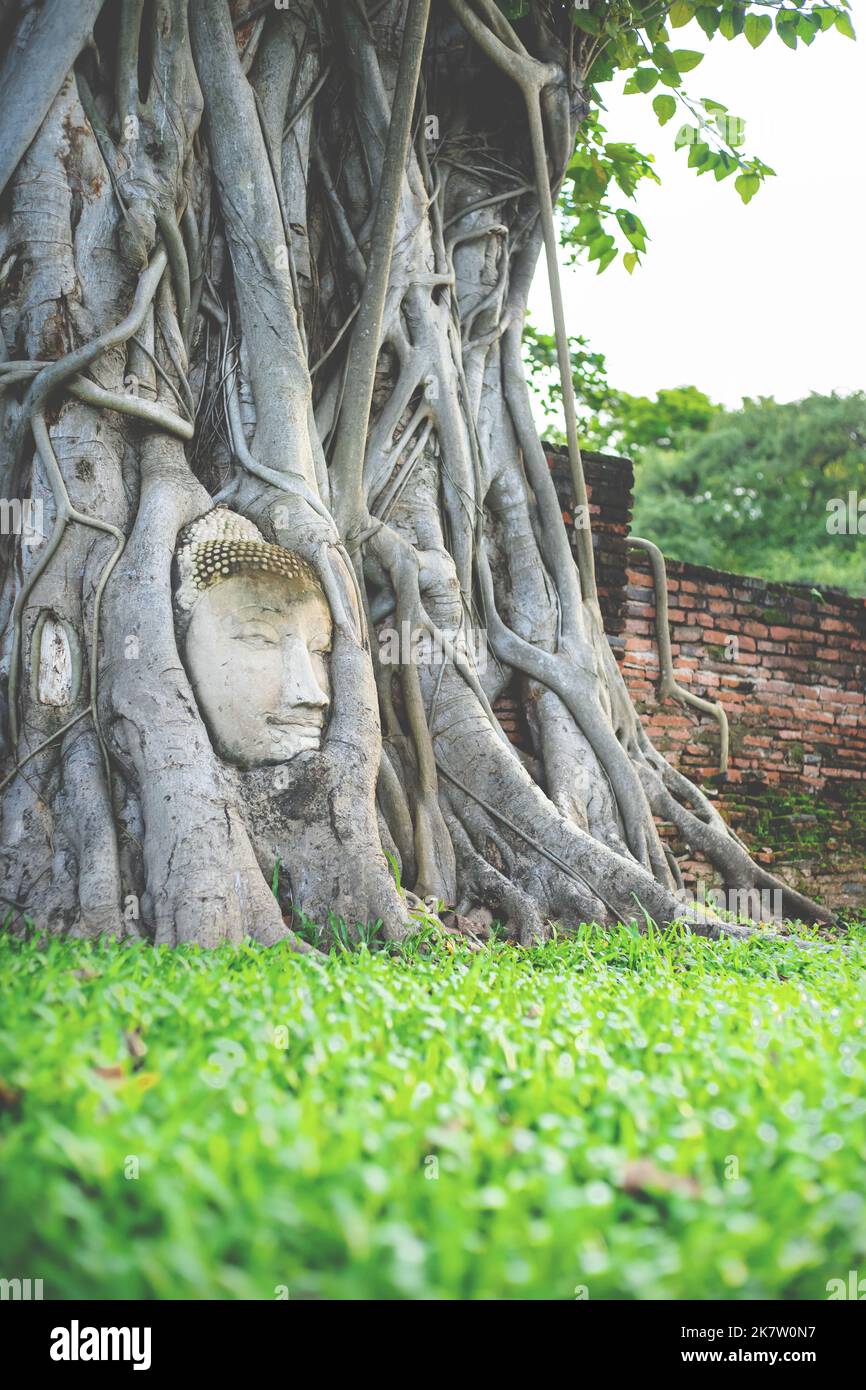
[[263, 282]]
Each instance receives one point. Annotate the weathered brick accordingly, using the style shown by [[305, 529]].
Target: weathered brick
[[796, 685]]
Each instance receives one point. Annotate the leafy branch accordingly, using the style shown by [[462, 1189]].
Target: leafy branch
[[635, 39]]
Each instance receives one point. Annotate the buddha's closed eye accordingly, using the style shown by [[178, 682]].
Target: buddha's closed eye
[[257, 637]]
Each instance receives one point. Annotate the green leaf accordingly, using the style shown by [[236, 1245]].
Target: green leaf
[[630, 260], [601, 70], [585, 20], [600, 246], [633, 228], [698, 154], [786, 27], [708, 18], [588, 224], [641, 80], [747, 186], [732, 22], [664, 107], [686, 58], [670, 77], [680, 13], [843, 23], [606, 259], [758, 27], [646, 78]]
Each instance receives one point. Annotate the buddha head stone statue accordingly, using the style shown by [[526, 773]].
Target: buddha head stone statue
[[254, 629]]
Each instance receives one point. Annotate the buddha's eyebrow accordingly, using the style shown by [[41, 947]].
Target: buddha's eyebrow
[[259, 608]]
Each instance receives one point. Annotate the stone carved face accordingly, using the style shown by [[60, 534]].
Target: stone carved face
[[256, 633], [257, 658]]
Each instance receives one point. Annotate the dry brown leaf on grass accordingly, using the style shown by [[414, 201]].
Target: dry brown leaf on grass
[[643, 1178], [10, 1098]]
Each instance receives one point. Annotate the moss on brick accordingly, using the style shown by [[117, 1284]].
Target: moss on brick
[[773, 617], [797, 824]]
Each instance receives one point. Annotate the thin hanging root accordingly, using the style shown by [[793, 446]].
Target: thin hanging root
[[192, 241], [126, 75], [56, 374], [434, 856], [289, 480], [40, 748], [347, 462], [151, 412], [395, 807], [509, 55], [549, 669], [50, 379], [188, 405], [494, 890], [64, 512], [669, 688], [713, 837], [91, 393], [278, 195], [534, 844], [177, 258]]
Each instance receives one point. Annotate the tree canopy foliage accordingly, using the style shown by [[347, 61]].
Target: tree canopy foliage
[[637, 40], [772, 489], [612, 419], [749, 490], [764, 490]]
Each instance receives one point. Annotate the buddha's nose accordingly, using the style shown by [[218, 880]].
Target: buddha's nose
[[300, 683]]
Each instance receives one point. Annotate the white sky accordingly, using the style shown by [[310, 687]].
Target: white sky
[[767, 298]]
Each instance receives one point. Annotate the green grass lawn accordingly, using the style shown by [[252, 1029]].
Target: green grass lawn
[[644, 1118]]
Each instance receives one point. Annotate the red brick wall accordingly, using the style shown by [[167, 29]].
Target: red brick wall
[[793, 683], [788, 668]]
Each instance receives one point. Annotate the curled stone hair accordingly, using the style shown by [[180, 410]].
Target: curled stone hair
[[223, 543]]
